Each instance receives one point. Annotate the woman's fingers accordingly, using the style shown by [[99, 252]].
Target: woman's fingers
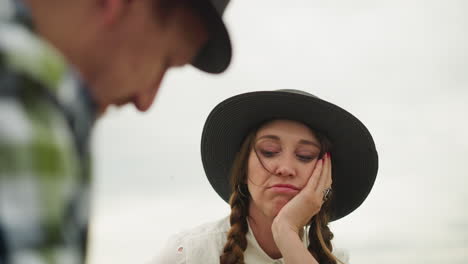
[[328, 172], [330, 179], [311, 185], [325, 179], [324, 174], [298, 211]]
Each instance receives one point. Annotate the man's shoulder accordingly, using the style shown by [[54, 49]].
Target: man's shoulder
[[26, 53], [30, 71], [41, 89]]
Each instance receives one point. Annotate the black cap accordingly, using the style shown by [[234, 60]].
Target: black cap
[[215, 56]]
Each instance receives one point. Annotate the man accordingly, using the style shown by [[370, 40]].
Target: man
[[120, 51]]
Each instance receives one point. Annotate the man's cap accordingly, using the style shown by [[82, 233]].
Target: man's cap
[[215, 56]]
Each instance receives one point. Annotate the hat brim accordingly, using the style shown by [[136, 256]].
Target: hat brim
[[354, 156], [215, 55]]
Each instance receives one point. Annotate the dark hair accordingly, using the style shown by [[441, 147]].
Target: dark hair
[[319, 234]]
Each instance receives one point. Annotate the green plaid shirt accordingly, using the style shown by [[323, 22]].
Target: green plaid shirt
[[45, 122]]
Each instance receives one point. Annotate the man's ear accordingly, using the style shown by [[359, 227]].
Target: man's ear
[[111, 11]]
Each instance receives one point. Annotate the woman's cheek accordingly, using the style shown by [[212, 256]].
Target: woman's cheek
[[259, 178]]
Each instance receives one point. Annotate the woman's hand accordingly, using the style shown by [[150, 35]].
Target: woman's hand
[[307, 203], [298, 212]]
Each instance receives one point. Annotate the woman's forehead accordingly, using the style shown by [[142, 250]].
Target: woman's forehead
[[286, 130]]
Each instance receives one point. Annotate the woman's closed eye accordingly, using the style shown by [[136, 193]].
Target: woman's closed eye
[[305, 158], [306, 155], [268, 153], [268, 148]]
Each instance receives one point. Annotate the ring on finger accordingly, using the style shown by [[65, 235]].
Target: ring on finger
[[326, 193]]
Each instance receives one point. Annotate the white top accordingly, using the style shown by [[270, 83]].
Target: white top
[[204, 244]]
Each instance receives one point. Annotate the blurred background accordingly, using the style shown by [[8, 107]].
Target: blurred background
[[400, 66]]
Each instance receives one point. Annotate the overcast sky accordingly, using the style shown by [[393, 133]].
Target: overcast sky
[[400, 66]]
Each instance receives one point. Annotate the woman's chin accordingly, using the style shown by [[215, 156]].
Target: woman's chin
[[278, 205]]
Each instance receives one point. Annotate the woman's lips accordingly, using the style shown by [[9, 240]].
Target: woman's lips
[[284, 188]]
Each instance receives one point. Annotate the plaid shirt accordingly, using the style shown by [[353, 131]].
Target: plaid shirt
[[45, 121]]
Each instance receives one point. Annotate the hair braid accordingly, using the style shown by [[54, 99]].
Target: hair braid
[[320, 237], [233, 252]]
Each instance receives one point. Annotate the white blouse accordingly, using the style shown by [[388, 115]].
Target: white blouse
[[204, 244]]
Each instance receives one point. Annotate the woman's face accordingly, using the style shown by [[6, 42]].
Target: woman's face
[[280, 164]]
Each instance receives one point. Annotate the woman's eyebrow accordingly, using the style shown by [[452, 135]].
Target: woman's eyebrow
[[302, 141], [269, 137], [308, 142]]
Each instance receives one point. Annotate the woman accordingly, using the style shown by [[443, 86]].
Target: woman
[[270, 155]]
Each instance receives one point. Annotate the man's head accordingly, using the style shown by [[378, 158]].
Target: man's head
[[124, 47]]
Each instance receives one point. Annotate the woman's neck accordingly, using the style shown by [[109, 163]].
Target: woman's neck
[[261, 229]]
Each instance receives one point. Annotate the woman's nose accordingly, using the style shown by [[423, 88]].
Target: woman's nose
[[285, 168]]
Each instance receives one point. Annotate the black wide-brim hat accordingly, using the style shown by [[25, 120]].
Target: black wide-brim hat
[[215, 55], [353, 153]]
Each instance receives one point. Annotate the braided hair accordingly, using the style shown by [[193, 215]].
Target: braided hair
[[233, 251]]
